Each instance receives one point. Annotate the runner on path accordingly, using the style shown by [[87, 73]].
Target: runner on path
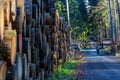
[[97, 49]]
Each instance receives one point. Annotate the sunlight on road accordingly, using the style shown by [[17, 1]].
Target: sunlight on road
[[102, 59], [88, 50]]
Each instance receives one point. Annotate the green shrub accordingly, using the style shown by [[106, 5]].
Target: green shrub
[[65, 71]]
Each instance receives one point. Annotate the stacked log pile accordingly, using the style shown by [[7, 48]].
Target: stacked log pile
[[64, 42], [36, 37]]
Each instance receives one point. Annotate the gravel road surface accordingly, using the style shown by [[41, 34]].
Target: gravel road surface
[[100, 67]]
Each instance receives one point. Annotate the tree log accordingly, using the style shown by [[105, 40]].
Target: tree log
[[11, 40], [47, 18], [1, 21], [13, 9], [3, 70]]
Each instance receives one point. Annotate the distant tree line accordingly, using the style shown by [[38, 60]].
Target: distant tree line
[[93, 24]]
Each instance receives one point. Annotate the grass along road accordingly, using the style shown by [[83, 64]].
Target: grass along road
[[66, 71]]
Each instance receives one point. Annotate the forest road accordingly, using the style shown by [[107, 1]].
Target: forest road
[[100, 67]]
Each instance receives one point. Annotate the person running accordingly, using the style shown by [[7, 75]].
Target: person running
[[97, 48]]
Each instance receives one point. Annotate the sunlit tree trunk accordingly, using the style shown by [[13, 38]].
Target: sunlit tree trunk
[[116, 19], [68, 17], [112, 24], [68, 22], [118, 29], [112, 21], [118, 4]]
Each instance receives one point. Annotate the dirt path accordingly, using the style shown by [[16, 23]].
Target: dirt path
[[99, 67]]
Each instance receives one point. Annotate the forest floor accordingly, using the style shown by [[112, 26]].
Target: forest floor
[[68, 70], [98, 67]]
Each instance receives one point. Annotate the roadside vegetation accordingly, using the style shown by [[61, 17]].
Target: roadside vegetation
[[66, 71]]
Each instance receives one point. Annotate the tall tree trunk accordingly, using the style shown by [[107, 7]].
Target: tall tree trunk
[[118, 4], [106, 32], [112, 21], [116, 19], [68, 17], [118, 29]]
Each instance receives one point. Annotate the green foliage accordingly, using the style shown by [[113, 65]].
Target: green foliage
[[61, 7], [82, 10], [86, 25], [65, 71], [100, 18]]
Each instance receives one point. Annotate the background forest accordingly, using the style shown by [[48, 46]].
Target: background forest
[[89, 19]]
